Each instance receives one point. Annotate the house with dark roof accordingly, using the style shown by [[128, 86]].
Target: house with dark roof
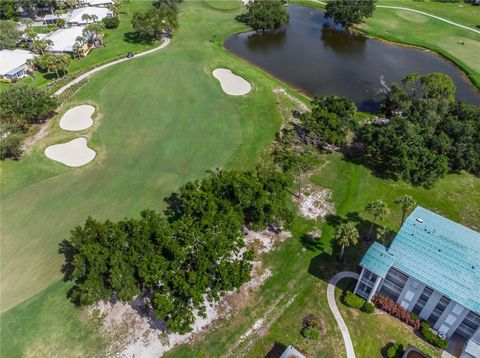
[[432, 269]]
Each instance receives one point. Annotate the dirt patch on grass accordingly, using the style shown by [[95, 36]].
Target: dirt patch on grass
[[314, 202]]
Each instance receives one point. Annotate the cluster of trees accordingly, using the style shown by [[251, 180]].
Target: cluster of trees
[[266, 14], [191, 254], [349, 12], [53, 63], [428, 134], [21, 106], [160, 20], [9, 34]]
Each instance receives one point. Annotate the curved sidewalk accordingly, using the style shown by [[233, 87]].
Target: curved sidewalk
[[429, 15], [102, 67], [336, 313]]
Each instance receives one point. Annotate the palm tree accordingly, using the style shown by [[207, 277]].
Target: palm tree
[[376, 210], [78, 46], [406, 203], [345, 234], [382, 235]]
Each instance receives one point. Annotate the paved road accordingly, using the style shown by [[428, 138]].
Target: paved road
[[164, 44], [336, 313], [418, 12]]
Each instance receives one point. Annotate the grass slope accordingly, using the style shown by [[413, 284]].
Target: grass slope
[[163, 119]]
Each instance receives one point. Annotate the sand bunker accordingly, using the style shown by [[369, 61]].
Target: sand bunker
[[73, 154], [231, 83], [77, 118]]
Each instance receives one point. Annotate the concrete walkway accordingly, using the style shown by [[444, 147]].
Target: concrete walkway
[[164, 44], [336, 313]]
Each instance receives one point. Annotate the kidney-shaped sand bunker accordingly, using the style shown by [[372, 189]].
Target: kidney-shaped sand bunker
[[77, 118], [231, 83], [73, 154]]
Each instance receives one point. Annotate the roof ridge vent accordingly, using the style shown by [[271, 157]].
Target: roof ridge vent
[[420, 220]]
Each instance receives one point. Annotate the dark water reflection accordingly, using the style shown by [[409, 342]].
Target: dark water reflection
[[315, 55]]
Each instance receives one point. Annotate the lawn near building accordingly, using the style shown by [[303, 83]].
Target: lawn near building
[[162, 120]]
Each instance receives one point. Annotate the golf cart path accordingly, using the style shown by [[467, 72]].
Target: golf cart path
[[164, 44], [418, 12], [336, 313]]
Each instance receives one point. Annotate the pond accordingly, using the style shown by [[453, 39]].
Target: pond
[[314, 55]]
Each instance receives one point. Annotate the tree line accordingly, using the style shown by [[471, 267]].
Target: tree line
[[190, 254]]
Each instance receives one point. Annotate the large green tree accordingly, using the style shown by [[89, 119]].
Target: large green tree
[[267, 14], [156, 22], [8, 10], [192, 254], [9, 34], [22, 105], [349, 12]]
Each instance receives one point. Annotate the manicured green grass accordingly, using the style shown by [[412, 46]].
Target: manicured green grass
[[161, 120], [45, 326], [224, 4]]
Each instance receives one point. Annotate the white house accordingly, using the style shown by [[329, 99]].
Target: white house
[[64, 40], [99, 12], [14, 64], [99, 3], [51, 19]]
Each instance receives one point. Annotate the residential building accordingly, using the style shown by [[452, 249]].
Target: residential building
[[432, 268], [292, 352], [14, 64], [98, 3], [51, 19], [64, 40], [98, 12]]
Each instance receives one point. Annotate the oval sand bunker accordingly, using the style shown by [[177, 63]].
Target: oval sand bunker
[[73, 154], [77, 118], [231, 83]]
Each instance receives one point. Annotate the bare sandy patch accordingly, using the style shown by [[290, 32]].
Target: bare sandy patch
[[314, 202], [231, 83], [77, 118], [73, 154]]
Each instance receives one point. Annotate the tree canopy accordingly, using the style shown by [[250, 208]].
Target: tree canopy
[[22, 105], [9, 34], [349, 12], [155, 22], [428, 134], [266, 14], [191, 254]]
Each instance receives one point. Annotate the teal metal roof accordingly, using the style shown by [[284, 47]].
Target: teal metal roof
[[377, 259], [439, 252]]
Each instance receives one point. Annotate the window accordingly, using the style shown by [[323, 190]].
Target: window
[[422, 300], [438, 310], [469, 325]]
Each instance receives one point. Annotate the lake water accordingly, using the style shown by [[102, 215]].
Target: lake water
[[318, 57]]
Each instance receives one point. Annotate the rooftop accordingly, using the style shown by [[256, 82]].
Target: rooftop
[[64, 39], [437, 251], [12, 59], [99, 12]]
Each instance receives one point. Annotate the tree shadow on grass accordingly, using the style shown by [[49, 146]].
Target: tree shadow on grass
[[365, 162], [135, 38], [276, 351]]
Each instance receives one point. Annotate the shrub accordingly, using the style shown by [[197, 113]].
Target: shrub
[[431, 337], [311, 333], [394, 350], [352, 300], [111, 22], [10, 147], [368, 307], [388, 305]]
